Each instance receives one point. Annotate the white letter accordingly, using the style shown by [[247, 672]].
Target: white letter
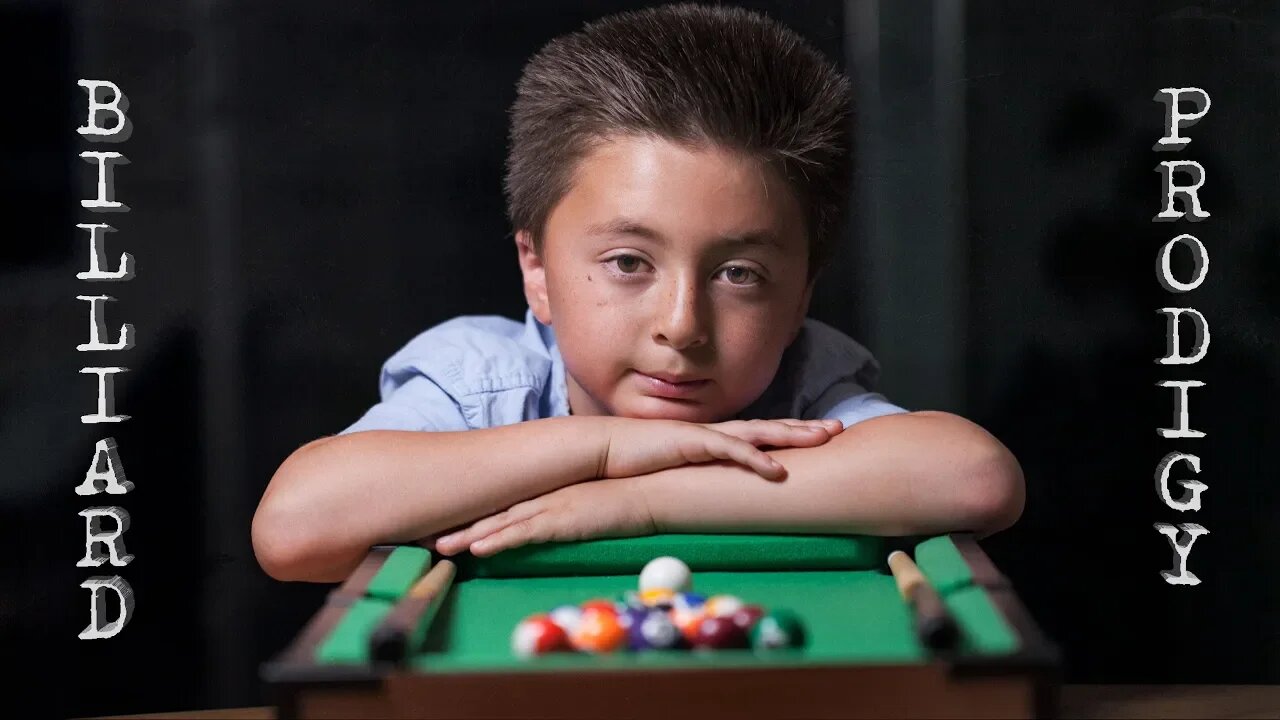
[[1174, 120], [1180, 409], [114, 481], [91, 126], [1194, 486], [1173, 347], [113, 539], [98, 607], [1199, 255], [106, 395], [106, 180], [98, 258], [1191, 192], [1182, 577], [98, 327]]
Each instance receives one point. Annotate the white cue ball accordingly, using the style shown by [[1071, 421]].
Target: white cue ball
[[666, 573]]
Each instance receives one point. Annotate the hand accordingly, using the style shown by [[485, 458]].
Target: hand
[[640, 446], [593, 509]]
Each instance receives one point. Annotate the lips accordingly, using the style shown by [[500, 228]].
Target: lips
[[672, 386], [672, 379]]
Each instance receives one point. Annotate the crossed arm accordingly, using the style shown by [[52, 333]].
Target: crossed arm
[[905, 474]]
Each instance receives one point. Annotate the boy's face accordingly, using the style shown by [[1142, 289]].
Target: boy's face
[[644, 272]]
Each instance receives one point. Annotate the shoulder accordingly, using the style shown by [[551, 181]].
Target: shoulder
[[826, 356], [470, 354], [493, 370], [828, 374]]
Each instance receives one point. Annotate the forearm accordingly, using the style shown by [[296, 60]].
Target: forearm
[[334, 498], [918, 473]]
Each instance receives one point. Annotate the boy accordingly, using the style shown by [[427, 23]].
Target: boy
[[675, 179]]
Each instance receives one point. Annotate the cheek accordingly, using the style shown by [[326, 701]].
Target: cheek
[[748, 330]]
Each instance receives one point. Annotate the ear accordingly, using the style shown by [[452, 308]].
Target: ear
[[535, 277]]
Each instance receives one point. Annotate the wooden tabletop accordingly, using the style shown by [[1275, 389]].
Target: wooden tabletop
[[1086, 702]]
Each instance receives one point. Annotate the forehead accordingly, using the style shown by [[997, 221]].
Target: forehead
[[655, 189]]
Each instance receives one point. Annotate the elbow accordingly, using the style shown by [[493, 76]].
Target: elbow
[[278, 544], [285, 543], [988, 493], [995, 494]]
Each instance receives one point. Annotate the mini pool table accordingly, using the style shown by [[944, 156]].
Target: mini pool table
[[861, 656]]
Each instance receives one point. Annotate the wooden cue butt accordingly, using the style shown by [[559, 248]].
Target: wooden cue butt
[[389, 643], [934, 623]]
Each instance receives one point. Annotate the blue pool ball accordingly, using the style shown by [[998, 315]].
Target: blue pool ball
[[690, 601], [654, 631], [632, 617]]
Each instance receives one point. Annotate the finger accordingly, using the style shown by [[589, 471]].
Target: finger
[[778, 433], [806, 423], [830, 424], [527, 531], [460, 541], [728, 447], [457, 542]]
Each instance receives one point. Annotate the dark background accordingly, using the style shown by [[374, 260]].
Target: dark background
[[312, 184]]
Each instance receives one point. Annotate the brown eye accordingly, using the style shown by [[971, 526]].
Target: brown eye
[[627, 263], [738, 275]]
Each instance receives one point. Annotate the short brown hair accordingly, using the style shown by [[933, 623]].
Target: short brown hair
[[693, 74]]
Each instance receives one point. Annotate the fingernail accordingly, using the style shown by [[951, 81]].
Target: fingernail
[[447, 539]]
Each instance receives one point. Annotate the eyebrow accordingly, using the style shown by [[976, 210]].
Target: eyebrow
[[626, 226]]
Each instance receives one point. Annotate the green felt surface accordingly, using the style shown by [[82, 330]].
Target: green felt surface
[[940, 561], [348, 642], [701, 552], [850, 616], [402, 568], [846, 598]]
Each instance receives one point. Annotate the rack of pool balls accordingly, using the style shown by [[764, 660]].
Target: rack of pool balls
[[664, 615]]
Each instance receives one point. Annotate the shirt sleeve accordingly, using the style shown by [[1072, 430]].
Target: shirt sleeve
[[417, 404], [850, 403]]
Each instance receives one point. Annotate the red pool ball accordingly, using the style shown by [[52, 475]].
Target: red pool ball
[[720, 633], [537, 635], [747, 616], [608, 606]]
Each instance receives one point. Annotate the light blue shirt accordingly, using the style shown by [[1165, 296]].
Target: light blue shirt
[[480, 371]]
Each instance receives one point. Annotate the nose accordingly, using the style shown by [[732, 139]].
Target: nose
[[679, 321]]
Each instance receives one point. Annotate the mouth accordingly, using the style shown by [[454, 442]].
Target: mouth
[[670, 386]]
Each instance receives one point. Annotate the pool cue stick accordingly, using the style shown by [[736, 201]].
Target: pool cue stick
[[934, 624], [389, 643]]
